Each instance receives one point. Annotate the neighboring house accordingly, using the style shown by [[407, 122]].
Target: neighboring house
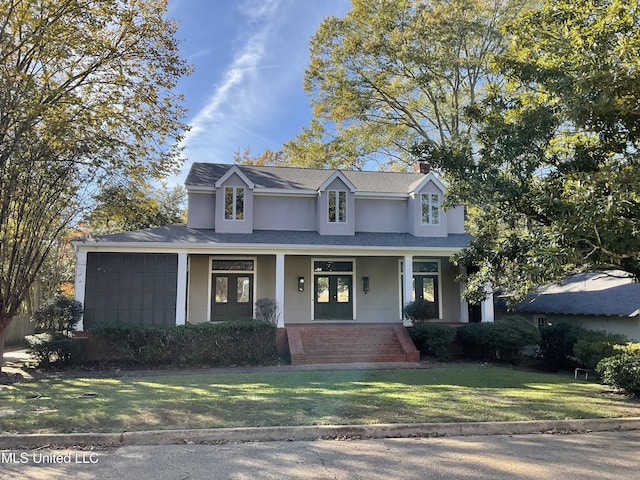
[[607, 301], [327, 245]]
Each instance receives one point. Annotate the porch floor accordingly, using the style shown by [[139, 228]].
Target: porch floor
[[340, 343]]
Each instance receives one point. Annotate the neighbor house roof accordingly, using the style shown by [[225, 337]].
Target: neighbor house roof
[[612, 293], [183, 236], [293, 178]]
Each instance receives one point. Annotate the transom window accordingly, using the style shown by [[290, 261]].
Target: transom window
[[233, 203], [430, 209], [337, 206]]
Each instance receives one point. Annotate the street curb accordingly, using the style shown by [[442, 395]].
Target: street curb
[[317, 432]]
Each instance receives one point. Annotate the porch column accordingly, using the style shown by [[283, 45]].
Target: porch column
[[80, 282], [181, 290], [464, 305], [280, 288], [407, 277], [486, 306]]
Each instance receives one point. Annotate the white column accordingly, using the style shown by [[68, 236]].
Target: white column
[[487, 305], [280, 288], [80, 282], [181, 290], [407, 276], [464, 305]]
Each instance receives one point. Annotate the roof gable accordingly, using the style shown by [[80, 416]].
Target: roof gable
[[234, 170], [337, 175]]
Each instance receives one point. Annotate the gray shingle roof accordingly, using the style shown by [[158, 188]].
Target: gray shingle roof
[[206, 174], [594, 293], [181, 235]]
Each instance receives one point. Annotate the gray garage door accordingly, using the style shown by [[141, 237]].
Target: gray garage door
[[131, 288]]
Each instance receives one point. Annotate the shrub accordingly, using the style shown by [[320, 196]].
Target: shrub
[[433, 339], [267, 310], [511, 334], [555, 348], [501, 340], [621, 371], [55, 348], [58, 315], [228, 343], [592, 346], [420, 311]]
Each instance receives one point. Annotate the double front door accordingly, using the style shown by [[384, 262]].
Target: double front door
[[232, 296], [333, 297]]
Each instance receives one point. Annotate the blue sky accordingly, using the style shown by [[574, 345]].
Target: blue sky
[[249, 58]]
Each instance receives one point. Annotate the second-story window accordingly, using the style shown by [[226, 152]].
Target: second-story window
[[430, 209], [337, 206], [233, 203]]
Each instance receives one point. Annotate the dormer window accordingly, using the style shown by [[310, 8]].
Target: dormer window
[[430, 209], [234, 203], [337, 206]]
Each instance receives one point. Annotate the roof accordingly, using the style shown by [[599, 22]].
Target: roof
[[207, 174], [612, 293], [183, 236]]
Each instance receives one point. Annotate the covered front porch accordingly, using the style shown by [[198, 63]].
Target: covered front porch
[[321, 288]]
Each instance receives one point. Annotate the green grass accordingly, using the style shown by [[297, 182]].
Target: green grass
[[458, 393]]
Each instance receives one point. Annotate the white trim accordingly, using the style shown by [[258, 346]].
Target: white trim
[[268, 249], [384, 195], [270, 192], [411, 289], [181, 289], [254, 273], [80, 282], [486, 306], [430, 177], [464, 305], [353, 285], [201, 188], [280, 290], [238, 172]]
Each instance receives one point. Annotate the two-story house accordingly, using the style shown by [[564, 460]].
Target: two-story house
[[330, 246]]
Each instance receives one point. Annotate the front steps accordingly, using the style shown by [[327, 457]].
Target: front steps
[[350, 344]]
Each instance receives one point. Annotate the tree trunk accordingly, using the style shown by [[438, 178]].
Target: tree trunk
[[3, 330]]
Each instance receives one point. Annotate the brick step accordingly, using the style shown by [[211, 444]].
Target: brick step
[[350, 344]]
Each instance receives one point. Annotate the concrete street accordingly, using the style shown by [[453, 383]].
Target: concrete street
[[602, 455]]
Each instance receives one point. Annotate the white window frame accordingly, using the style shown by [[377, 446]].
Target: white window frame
[[253, 273], [353, 285], [438, 273], [234, 203], [430, 206], [339, 204]]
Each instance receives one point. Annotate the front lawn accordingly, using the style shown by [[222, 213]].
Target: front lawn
[[457, 393]]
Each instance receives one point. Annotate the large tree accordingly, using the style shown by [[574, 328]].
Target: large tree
[[390, 74], [553, 178], [135, 205], [85, 95]]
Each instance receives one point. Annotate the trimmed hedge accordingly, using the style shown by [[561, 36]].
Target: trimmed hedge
[[206, 344], [55, 348], [594, 345], [621, 371], [433, 339], [502, 340], [555, 349]]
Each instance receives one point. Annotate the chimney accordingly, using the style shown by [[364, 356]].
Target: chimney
[[422, 167]]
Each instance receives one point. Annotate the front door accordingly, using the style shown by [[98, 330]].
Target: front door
[[232, 296], [425, 287], [333, 299]]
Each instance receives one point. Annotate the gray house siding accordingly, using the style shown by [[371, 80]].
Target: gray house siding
[[201, 208], [285, 212], [384, 216]]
